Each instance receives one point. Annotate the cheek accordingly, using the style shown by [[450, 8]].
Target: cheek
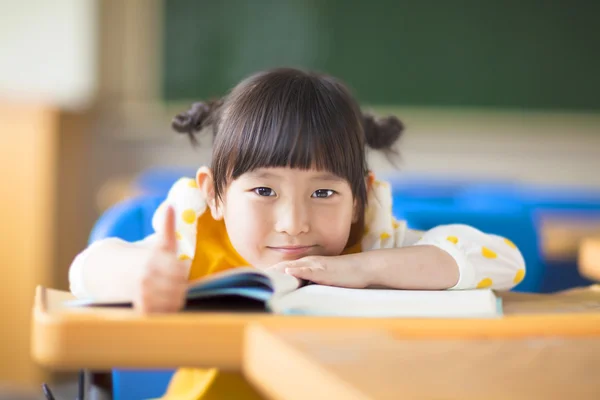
[[333, 226], [247, 226]]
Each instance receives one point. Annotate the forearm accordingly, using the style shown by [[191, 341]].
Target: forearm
[[109, 269], [412, 267]]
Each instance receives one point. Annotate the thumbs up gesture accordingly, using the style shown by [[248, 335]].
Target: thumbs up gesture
[[163, 279]]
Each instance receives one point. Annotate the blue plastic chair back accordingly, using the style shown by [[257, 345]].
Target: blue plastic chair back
[[158, 180], [131, 220], [548, 199]]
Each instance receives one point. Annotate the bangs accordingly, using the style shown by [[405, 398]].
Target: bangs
[[303, 122], [297, 135]]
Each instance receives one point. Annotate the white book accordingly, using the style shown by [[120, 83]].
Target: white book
[[243, 289]]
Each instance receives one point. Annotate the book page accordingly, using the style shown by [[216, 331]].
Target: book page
[[223, 274], [335, 301], [282, 282]]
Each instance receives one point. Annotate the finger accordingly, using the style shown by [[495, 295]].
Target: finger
[[309, 269], [168, 240], [161, 297], [159, 305], [165, 264], [307, 273], [157, 281], [280, 267]]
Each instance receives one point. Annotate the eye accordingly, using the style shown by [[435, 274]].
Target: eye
[[264, 191], [323, 193]]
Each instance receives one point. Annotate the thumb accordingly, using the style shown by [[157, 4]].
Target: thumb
[[168, 240]]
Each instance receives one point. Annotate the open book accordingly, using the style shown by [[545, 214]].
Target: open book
[[252, 289]]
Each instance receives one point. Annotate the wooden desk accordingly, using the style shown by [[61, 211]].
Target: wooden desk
[[375, 363], [561, 236], [100, 339], [589, 258]]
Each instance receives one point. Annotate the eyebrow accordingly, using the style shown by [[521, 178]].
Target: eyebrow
[[262, 175], [320, 177], [328, 177]]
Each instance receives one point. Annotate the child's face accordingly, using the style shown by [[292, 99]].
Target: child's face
[[281, 214]]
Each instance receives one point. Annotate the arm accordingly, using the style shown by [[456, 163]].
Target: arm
[[414, 267], [114, 269], [446, 257], [148, 273], [110, 268], [483, 260]]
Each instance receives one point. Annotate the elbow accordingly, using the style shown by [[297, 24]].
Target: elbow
[[76, 282], [513, 273], [78, 268], [519, 271]]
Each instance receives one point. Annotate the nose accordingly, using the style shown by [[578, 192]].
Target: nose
[[293, 219]]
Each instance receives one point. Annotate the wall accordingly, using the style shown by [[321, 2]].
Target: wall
[[48, 52]]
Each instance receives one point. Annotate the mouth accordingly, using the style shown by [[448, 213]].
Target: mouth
[[292, 250]]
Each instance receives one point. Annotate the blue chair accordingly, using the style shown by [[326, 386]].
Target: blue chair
[[157, 181], [131, 220]]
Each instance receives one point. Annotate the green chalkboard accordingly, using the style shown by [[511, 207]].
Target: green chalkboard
[[528, 54]]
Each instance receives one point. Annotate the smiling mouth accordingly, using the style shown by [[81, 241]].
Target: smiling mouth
[[292, 249]]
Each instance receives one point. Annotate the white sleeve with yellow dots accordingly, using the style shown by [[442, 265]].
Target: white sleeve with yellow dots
[[188, 203], [484, 260]]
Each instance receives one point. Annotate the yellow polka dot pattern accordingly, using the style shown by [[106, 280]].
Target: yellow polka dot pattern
[[384, 236], [452, 239], [519, 276], [184, 257], [485, 283], [487, 253], [192, 183], [188, 216], [178, 235]]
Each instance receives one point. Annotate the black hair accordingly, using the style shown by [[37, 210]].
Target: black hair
[[290, 118]]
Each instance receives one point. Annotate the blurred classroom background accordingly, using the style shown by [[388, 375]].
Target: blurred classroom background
[[500, 100]]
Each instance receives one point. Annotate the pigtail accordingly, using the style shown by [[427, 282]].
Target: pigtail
[[199, 116], [382, 133]]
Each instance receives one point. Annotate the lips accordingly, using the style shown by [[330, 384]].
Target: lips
[[291, 250]]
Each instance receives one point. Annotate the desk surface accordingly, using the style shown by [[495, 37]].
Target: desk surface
[[103, 338], [296, 364]]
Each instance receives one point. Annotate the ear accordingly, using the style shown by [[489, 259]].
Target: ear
[[369, 180], [206, 184]]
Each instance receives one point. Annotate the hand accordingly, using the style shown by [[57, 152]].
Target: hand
[[342, 271], [163, 280]]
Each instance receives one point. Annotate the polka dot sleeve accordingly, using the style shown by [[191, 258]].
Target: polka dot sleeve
[[484, 261], [188, 203]]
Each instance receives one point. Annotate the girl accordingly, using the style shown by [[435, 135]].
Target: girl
[[289, 189]]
